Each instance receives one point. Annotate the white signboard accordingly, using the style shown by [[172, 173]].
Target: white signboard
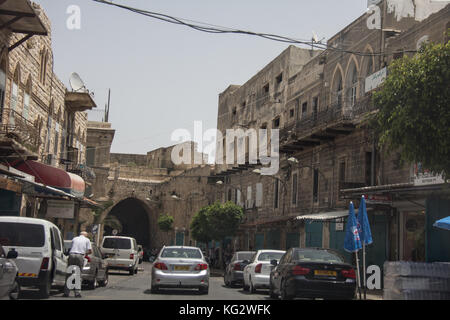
[[423, 176], [375, 79], [60, 209]]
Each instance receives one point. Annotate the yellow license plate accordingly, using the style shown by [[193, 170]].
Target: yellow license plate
[[325, 273], [181, 268]]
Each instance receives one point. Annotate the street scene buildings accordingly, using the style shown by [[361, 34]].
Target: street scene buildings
[[57, 165]]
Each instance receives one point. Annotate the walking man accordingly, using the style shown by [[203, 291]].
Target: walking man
[[81, 246]]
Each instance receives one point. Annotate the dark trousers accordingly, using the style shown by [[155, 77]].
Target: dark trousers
[[74, 260]]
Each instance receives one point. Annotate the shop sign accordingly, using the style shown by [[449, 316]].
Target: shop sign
[[424, 176], [60, 209], [375, 79], [378, 199]]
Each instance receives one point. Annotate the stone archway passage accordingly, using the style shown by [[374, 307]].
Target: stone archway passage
[[134, 218]]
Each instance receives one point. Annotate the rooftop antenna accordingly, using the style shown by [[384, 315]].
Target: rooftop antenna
[[107, 106]]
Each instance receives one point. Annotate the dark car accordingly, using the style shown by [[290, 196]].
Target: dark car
[[312, 273], [234, 271], [95, 268]]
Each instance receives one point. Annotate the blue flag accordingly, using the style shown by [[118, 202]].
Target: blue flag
[[352, 242], [363, 223]]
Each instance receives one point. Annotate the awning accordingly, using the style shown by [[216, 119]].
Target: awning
[[324, 216], [53, 177], [20, 17], [39, 190]]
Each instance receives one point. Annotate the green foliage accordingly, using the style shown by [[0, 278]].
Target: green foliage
[[414, 108], [216, 221], [165, 222]]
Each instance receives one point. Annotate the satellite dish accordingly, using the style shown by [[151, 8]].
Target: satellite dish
[[76, 83], [315, 38]]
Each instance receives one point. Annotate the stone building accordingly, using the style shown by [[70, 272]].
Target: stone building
[[327, 154], [43, 124]]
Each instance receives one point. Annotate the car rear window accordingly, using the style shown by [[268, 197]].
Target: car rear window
[[317, 256], [268, 256], [117, 243], [181, 253], [245, 255], [22, 234]]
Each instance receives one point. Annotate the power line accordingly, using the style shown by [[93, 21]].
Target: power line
[[211, 28]]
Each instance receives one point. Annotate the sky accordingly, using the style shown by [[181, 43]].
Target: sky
[[164, 77]]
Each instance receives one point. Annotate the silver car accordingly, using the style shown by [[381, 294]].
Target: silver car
[[180, 267]]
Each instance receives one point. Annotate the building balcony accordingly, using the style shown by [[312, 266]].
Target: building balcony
[[19, 138], [323, 126], [79, 101]]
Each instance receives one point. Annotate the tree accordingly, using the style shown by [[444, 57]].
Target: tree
[[414, 112], [200, 226], [165, 222]]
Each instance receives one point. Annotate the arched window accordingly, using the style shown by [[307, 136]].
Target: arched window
[[43, 71], [49, 125], [337, 89], [14, 95], [352, 85], [367, 68], [26, 99]]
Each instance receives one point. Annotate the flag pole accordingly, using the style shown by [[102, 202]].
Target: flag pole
[[364, 269], [357, 276]]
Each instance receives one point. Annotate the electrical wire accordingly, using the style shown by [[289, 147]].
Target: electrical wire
[[214, 29]]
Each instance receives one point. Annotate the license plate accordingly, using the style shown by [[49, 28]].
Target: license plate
[[325, 273], [181, 268]]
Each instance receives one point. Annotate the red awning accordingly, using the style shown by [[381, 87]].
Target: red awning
[[53, 177]]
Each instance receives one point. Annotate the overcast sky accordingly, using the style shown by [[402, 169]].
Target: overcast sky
[[163, 76]]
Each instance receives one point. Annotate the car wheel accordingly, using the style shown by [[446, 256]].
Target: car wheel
[[203, 290], [44, 290], [251, 286], [154, 289], [15, 292], [104, 282], [284, 294], [131, 271], [93, 284], [226, 281], [136, 270], [272, 294]]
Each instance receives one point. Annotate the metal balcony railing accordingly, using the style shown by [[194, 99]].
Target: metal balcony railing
[[15, 126]]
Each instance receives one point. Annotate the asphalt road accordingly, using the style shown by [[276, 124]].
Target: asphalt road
[[122, 286]]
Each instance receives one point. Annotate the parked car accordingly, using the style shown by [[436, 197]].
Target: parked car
[[9, 287], [180, 267], [234, 271], [41, 260], [121, 253], [257, 273], [312, 273], [140, 253], [95, 267]]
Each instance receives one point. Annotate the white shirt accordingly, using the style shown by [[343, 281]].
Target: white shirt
[[80, 245]]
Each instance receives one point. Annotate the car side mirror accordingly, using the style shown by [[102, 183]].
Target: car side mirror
[[274, 262], [12, 254]]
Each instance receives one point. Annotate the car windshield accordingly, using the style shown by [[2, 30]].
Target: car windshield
[[317, 256], [268, 256], [22, 234], [117, 243], [181, 253], [245, 255]]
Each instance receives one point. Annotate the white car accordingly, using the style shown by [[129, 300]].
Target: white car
[[41, 260], [121, 253], [257, 272]]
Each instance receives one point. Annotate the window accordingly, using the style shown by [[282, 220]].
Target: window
[[17, 234], [368, 173], [117, 243], [43, 71], [316, 186], [341, 171], [294, 188], [259, 194], [276, 123], [337, 90], [2, 85], [315, 106], [90, 156], [229, 195], [243, 104], [14, 95], [266, 89], [276, 194], [353, 84], [279, 78], [26, 100], [398, 55], [304, 109], [234, 111], [291, 113]]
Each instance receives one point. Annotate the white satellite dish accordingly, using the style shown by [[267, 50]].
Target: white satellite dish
[[76, 83]]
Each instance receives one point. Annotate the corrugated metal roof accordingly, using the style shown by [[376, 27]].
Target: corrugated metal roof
[[323, 216]]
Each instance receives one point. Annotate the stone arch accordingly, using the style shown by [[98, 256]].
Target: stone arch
[[367, 66], [351, 82], [138, 219], [337, 86]]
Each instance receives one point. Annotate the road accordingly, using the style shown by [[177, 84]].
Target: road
[[122, 286]]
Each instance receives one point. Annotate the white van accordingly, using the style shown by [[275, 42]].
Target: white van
[[121, 253], [41, 260]]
